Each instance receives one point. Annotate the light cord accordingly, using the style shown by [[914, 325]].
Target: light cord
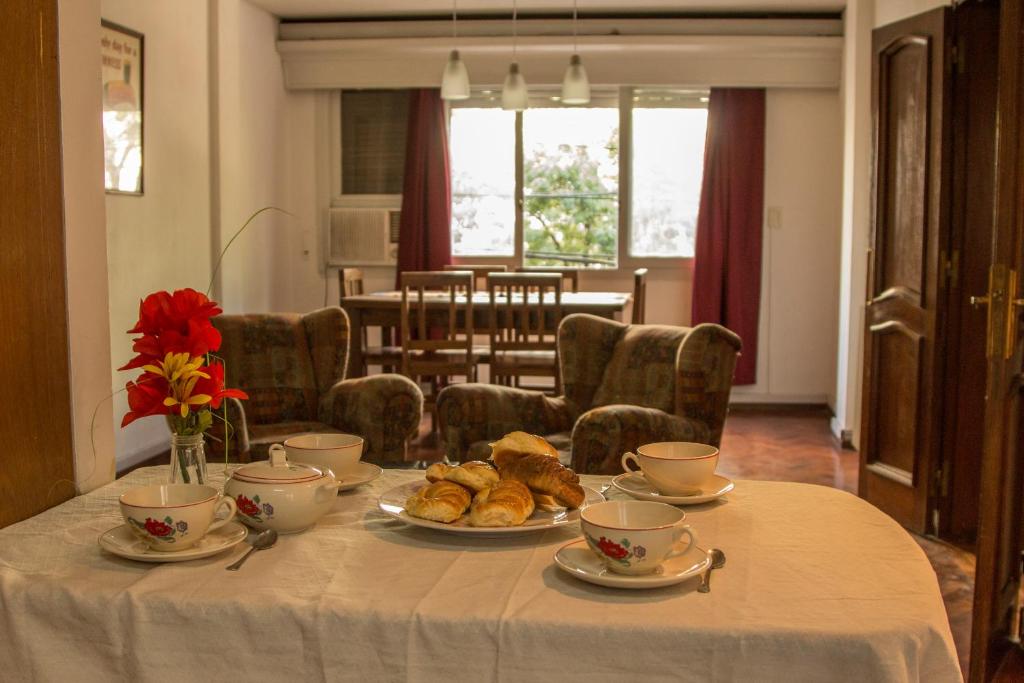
[[574, 48], [515, 32], [455, 19]]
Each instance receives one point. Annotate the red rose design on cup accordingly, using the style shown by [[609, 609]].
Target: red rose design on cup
[[612, 549], [247, 507], [158, 528]]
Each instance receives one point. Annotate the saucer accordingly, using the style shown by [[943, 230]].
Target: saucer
[[122, 542], [577, 559], [634, 484], [364, 474]]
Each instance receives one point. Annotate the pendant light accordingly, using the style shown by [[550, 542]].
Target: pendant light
[[514, 95], [575, 85], [455, 81]]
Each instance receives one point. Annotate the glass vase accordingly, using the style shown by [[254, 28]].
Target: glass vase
[[188, 459]]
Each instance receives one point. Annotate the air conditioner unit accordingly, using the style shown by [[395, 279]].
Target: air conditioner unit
[[363, 237]]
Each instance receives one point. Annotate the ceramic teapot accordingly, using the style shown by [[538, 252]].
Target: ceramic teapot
[[281, 495]]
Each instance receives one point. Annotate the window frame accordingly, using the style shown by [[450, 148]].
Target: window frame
[[545, 98]]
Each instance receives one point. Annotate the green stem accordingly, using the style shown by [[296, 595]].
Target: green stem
[[216, 268]]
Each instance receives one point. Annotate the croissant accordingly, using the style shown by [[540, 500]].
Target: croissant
[[515, 445], [437, 471], [507, 503], [442, 501], [474, 475], [545, 475]]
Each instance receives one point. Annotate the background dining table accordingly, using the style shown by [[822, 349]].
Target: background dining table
[[819, 586], [381, 309]]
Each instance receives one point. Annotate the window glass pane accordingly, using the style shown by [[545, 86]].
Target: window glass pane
[[373, 129], [668, 163], [482, 152], [571, 187]]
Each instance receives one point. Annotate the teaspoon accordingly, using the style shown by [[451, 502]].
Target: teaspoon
[[717, 562], [263, 540]]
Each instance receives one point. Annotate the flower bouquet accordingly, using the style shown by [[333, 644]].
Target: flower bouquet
[[181, 379]]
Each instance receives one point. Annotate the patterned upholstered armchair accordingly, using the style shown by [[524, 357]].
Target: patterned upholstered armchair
[[293, 368], [625, 385]]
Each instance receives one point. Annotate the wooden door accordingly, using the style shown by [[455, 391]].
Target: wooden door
[[906, 283], [36, 468], [997, 578]]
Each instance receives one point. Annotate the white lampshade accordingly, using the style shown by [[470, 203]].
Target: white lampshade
[[575, 85], [514, 94], [455, 82]]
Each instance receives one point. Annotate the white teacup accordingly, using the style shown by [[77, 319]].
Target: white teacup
[[172, 517], [635, 537], [675, 468], [339, 453]]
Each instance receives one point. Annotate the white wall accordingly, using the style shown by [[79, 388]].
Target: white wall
[[161, 239], [85, 241], [888, 11]]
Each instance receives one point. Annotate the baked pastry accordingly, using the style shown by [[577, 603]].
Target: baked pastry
[[545, 475], [507, 503], [442, 501], [515, 445], [437, 471], [474, 475]]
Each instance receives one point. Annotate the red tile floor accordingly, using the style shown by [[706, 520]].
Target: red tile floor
[[796, 444]]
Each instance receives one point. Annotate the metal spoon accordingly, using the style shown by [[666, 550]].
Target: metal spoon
[[717, 562], [263, 540]]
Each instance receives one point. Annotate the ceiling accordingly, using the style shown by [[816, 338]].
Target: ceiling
[[337, 9]]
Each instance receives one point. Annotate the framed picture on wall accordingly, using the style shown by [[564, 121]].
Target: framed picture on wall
[[121, 50]]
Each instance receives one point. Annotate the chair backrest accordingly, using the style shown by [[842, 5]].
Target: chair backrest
[[639, 296], [433, 306], [526, 309], [570, 275], [284, 361], [350, 281], [480, 273]]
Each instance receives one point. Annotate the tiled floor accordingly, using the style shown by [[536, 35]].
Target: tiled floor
[[788, 444]]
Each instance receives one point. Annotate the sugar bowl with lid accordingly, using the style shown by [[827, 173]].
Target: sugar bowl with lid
[[281, 495]]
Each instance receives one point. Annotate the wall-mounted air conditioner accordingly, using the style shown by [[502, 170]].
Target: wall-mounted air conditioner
[[363, 237]]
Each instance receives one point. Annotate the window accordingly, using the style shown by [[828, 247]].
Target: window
[[373, 129], [482, 148], [568, 179]]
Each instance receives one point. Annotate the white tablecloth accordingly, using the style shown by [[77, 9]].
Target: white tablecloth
[[819, 586]]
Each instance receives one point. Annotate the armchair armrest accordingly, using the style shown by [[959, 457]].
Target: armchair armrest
[[468, 413], [603, 434], [384, 409]]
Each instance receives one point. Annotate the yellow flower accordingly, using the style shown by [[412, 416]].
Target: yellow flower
[[181, 372]]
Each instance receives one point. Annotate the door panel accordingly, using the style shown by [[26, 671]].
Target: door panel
[[997, 577], [901, 414]]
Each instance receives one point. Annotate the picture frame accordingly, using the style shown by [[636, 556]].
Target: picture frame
[[122, 77]]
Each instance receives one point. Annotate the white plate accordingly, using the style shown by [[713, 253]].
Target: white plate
[[364, 474], [393, 503], [577, 559], [121, 541], [634, 484]]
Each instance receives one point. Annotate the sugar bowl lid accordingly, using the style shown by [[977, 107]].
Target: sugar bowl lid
[[278, 470]]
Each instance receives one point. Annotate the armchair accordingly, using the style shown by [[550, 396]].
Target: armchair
[[293, 368], [624, 386]]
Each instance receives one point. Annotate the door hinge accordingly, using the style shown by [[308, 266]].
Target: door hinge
[[935, 521], [952, 267]]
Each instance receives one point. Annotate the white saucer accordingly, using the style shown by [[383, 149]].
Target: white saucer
[[634, 484], [577, 559], [364, 474], [121, 541]]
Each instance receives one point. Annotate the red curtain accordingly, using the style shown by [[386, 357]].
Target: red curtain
[[424, 235], [727, 262]]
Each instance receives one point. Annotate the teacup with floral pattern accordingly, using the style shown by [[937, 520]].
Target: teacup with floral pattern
[[171, 517], [635, 537]]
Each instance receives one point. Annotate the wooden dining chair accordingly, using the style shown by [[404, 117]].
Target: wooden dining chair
[[350, 283], [480, 273], [437, 342], [639, 296], [570, 276], [526, 309]]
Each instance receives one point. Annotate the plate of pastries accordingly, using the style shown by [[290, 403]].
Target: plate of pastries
[[522, 488]]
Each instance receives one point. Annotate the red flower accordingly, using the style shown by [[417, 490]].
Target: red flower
[[214, 387], [246, 506], [146, 397], [612, 549], [161, 312], [158, 528]]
